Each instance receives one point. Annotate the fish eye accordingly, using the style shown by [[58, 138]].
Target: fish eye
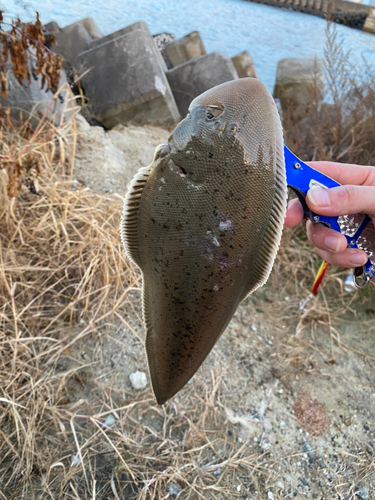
[[213, 112]]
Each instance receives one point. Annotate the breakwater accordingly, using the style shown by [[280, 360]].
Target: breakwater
[[350, 14]]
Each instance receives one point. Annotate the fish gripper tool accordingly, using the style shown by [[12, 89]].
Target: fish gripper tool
[[358, 228]]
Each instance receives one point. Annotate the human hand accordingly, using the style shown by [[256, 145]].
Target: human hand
[[356, 195]]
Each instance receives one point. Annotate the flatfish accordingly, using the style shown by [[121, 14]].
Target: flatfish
[[203, 223]]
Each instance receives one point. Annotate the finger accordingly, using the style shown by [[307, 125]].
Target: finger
[[342, 200], [325, 238], [346, 173], [351, 257], [294, 214]]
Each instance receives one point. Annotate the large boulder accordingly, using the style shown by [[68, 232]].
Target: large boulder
[[299, 84], [73, 39], [183, 50], [194, 77], [28, 101], [124, 79], [107, 161], [244, 65]]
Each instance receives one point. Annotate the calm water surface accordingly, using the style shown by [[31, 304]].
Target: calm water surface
[[229, 26]]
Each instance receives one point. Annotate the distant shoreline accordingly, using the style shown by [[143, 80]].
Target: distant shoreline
[[350, 14]]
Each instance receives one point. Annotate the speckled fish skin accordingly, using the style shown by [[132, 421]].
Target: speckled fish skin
[[203, 223]]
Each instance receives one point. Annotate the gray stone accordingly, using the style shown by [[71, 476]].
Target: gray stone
[[138, 380], [244, 65], [125, 79], [108, 161], [76, 38], [163, 39], [194, 77], [296, 80], [173, 489], [363, 493], [29, 101], [183, 50]]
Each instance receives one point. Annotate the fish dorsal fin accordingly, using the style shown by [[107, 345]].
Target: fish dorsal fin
[[269, 245], [129, 219]]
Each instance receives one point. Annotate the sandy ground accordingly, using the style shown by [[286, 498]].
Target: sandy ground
[[296, 392]]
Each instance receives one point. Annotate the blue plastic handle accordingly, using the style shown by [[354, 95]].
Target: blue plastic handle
[[300, 177]]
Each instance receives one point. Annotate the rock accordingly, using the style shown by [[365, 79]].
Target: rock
[[363, 493], [173, 489], [244, 65], [295, 81], [163, 39], [75, 38], [125, 79], [138, 380], [29, 100], [81, 123], [74, 460], [306, 448], [107, 161], [194, 77], [183, 50], [110, 420]]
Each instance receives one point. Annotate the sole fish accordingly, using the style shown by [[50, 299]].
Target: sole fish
[[203, 223]]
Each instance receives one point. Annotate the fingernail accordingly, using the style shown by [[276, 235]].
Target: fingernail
[[358, 259], [319, 197], [333, 243]]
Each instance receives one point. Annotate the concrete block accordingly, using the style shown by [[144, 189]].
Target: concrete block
[[244, 65], [189, 80], [126, 80], [295, 80], [30, 101], [183, 50], [139, 25], [369, 26], [51, 27], [76, 38]]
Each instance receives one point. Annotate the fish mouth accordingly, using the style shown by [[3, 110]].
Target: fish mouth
[[178, 169]]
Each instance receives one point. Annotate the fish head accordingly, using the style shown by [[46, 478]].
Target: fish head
[[234, 117]]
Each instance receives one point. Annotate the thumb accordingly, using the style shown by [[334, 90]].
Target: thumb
[[342, 200]]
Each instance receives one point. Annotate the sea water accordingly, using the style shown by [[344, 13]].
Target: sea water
[[227, 26]]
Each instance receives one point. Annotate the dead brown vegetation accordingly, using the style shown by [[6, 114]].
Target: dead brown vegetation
[[340, 122]]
